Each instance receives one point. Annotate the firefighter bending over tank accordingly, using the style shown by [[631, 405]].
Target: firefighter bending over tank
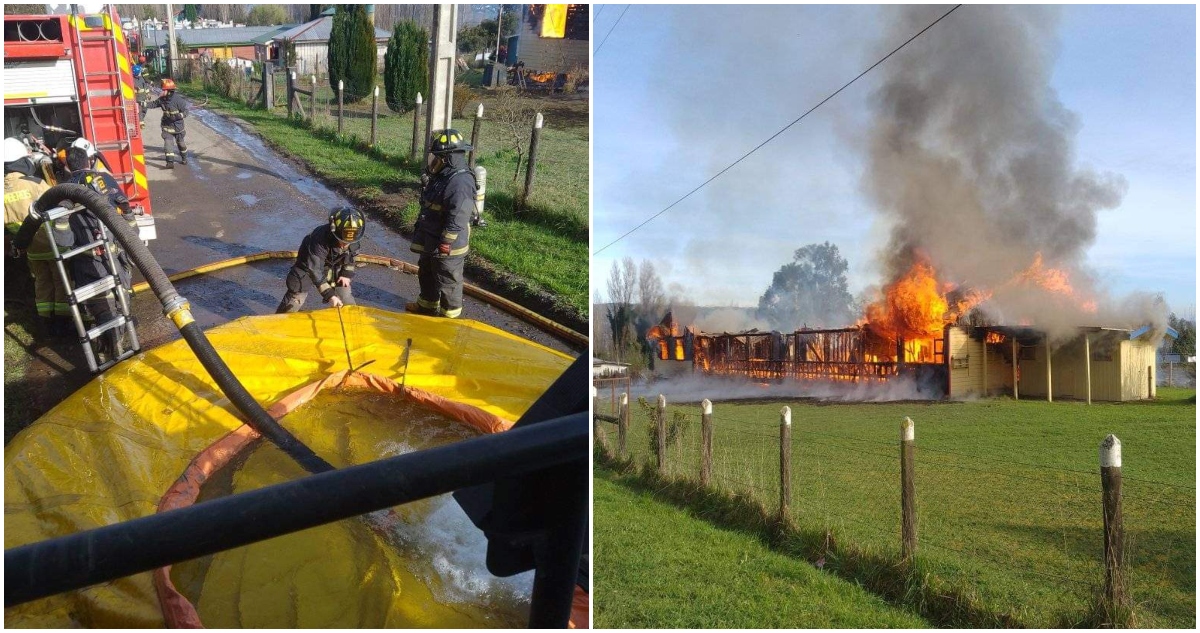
[[84, 227], [174, 109], [326, 260], [443, 234], [22, 187]]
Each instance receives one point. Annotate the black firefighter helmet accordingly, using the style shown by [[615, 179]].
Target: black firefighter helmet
[[348, 224], [447, 141]]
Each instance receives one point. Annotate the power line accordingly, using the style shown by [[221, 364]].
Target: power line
[[596, 19], [773, 136], [611, 29]]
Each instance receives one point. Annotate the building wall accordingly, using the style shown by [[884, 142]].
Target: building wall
[[963, 350], [549, 54], [1138, 369], [969, 381], [313, 58]]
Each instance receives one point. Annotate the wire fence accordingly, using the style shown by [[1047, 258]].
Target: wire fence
[[1015, 531]]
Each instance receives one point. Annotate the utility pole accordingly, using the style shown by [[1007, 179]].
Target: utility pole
[[496, 56], [174, 49], [440, 109]]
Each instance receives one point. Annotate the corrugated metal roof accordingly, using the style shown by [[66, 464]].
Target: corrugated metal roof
[[231, 36], [318, 31]]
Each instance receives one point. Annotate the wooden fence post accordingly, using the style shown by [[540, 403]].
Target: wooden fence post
[[292, 94], [531, 166], [416, 128], [374, 116], [622, 424], [785, 464], [312, 102], [268, 78], [660, 434], [705, 442], [341, 90], [908, 510], [475, 136], [1115, 594]]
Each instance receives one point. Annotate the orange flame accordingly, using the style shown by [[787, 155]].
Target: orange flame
[[994, 337], [912, 307], [1054, 280]]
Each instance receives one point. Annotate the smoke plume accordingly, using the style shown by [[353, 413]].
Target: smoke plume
[[971, 155]]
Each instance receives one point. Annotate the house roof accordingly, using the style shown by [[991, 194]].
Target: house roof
[[319, 30], [230, 36], [274, 34]]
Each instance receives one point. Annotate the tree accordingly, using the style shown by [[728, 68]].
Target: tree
[[482, 36], [811, 290], [405, 66], [352, 52], [1185, 345], [24, 9], [190, 13], [622, 280], [266, 15]]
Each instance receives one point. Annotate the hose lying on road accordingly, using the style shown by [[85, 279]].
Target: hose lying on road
[[179, 311], [546, 325]]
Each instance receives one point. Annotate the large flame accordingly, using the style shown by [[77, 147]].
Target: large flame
[[912, 307], [1054, 280]]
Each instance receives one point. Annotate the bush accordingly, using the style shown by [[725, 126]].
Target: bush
[[463, 95], [352, 52], [223, 78], [405, 66]]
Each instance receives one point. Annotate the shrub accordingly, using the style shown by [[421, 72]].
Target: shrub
[[352, 52], [405, 66]]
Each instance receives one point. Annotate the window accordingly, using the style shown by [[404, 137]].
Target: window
[[960, 362]]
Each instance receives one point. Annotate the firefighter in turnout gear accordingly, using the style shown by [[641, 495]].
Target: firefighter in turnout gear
[[22, 187], [174, 109], [443, 231], [326, 260], [141, 83], [84, 227]]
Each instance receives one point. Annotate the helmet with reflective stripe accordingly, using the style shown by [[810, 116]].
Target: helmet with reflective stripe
[[446, 141], [348, 224], [168, 84], [14, 149]]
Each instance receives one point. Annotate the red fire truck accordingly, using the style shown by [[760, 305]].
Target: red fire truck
[[67, 76]]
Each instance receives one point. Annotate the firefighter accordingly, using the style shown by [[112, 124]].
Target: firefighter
[[442, 236], [326, 259], [83, 227], [22, 187], [174, 109], [141, 83]]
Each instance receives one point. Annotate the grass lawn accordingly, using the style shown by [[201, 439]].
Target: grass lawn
[[544, 245], [649, 574], [1008, 493]]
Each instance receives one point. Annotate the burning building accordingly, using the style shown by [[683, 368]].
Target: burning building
[[936, 335]]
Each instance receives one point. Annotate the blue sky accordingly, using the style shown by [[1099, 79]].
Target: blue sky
[[681, 91]]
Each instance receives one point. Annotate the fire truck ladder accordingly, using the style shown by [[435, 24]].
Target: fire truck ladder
[[126, 337], [106, 86]]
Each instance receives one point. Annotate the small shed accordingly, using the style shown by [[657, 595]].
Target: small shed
[[312, 44], [608, 369], [1099, 363]]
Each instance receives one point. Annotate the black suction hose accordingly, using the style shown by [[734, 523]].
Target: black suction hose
[[179, 311]]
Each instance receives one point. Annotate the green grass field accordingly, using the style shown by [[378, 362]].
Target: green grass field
[[1008, 497], [736, 583], [543, 244]]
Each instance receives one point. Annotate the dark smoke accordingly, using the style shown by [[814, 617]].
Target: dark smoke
[[972, 155]]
